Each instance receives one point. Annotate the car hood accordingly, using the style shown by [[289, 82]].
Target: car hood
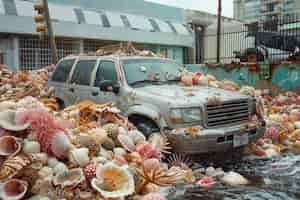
[[183, 95]]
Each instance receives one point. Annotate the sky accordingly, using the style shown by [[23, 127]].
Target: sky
[[210, 6]]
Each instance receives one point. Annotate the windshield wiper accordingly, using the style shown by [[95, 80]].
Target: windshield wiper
[[146, 81]]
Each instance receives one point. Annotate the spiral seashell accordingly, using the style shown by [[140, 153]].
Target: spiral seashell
[[13, 165]]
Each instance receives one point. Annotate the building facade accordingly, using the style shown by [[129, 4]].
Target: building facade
[[84, 26], [253, 10]]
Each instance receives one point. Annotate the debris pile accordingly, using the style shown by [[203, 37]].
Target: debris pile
[[90, 151]]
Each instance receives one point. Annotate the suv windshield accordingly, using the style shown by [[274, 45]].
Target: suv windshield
[[151, 71]]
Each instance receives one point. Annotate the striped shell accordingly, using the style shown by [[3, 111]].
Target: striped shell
[[13, 165]]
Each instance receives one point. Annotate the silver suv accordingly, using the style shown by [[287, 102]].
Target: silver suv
[[148, 91]]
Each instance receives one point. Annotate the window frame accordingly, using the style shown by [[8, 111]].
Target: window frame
[[98, 66], [70, 72], [92, 74]]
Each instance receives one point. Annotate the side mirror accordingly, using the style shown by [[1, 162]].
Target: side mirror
[[108, 86]]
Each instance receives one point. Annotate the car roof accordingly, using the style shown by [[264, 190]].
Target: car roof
[[114, 57]]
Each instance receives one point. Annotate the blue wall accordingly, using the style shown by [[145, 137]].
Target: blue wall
[[285, 76], [138, 7]]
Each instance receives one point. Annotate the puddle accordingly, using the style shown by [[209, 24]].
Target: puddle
[[272, 179]]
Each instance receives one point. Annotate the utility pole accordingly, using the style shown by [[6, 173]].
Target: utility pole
[[44, 26], [219, 30]]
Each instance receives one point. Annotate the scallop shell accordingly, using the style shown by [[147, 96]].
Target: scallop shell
[[71, 178], [113, 181], [13, 189], [126, 142], [8, 121], [9, 146], [99, 134]]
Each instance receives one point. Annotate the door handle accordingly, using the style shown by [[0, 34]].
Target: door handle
[[95, 93], [71, 89]]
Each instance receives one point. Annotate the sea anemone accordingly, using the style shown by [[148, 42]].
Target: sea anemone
[[43, 126], [154, 196], [147, 151]]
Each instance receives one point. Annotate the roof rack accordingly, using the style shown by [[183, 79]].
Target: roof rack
[[119, 50]]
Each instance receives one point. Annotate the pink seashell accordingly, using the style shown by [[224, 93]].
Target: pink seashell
[[206, 182], [151, 164], [285, 118], [9, 146], [60, 145], [211, 77], [147, 151], [126, 142], [154, 196], [13, 189], [273, 134], [121, 160]]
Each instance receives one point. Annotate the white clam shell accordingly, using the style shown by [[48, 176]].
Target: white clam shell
[[136, 136], [234, 179], [71, 178], [52, 162], [61, 145], [31, 147], [9, 145], [297, 124], [124, 179], [60, 167], [80, 156], [45, 172], [8, 121], [119, 151], [13, 189], [43, 157]]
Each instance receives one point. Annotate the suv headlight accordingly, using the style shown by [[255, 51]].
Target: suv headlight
[[185, 115]]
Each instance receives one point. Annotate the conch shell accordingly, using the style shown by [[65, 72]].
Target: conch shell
[[113, 181], [13, 165], [70, 178], [9, 146], [8, 121], [13, 189]]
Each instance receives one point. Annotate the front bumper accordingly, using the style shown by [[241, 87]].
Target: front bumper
[[211, 140]]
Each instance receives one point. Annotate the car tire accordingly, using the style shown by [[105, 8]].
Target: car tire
[[147, 127]]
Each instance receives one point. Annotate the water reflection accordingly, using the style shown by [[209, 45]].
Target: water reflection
[[274, 179]]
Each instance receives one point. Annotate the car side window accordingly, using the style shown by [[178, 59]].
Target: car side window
[[106, 71], [83, 72], [62, 71]]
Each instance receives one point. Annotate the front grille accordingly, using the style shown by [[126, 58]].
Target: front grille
[[232, 112]]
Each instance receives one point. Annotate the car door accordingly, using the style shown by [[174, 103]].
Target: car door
[[80, 83], [106, 70], [59, 80]]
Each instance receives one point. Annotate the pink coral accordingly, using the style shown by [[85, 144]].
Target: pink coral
[[147, 151], [43, 126], [273, 134], [154, 196]]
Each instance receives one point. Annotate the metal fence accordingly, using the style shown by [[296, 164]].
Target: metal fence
[[274, 40]]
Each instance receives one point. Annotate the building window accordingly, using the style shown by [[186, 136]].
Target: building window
[[36, 53], [164, 52]]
